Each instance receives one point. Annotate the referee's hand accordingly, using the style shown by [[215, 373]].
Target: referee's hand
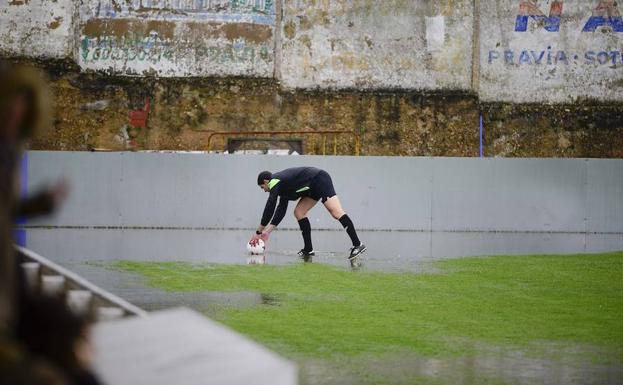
[[264, 237], [255, 238]]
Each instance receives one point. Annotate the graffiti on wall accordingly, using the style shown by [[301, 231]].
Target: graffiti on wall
[[179, 37], [150, 48], [605, 17], [605, 14], [559, 57], [213, 6], [529, 10], [256, 11], [154, 49]]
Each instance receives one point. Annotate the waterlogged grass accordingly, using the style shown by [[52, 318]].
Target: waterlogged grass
[[321, 311]]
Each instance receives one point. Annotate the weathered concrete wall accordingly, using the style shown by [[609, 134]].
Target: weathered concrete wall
[[36, 28], [529, 51], [551, 51], [367, 44], [178, 38], [530, 108]]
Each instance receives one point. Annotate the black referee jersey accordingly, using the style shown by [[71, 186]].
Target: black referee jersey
[[289, 184]]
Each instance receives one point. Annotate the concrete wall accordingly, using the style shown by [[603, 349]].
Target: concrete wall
[[554, 52], [37, 28], [377, 44], [178, 38], [559, 51], [379, 193]]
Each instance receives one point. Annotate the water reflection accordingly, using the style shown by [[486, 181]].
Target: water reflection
[[389, 251], [256, 260]]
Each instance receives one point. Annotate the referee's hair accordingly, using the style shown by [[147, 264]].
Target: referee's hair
[[264, 175]]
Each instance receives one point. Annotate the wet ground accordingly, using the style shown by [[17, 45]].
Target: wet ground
[[486, 365], [89, 252], [387, 250]]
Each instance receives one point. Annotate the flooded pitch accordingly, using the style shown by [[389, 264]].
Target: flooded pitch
[[387, 250], [84, 250], [90, 253]]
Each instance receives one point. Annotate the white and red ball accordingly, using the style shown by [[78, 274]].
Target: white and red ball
[[256, 247]]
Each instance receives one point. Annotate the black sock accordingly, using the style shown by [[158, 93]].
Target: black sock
[[306, 231], [350, 229]]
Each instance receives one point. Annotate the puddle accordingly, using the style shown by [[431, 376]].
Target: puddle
[[387, 251], [269, 299], [133, 288], [489, 366], [504, 366]]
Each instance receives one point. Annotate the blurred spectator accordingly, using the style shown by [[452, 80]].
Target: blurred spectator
[[41, 341], [49, 329], [23, 111]]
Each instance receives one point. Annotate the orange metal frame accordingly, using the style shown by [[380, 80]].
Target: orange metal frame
[[293, 132]]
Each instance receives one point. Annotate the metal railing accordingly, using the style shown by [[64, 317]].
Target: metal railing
[[47, 277], [323, 133]]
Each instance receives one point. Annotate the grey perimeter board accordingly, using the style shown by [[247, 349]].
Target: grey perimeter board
[[217, 191]]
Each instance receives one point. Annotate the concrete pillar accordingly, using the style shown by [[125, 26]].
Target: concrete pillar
[[52, 284], [108, 313], [79, 301], [31, 275]]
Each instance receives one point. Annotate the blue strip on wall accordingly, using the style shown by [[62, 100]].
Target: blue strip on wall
[[19, 235], [481, 153]]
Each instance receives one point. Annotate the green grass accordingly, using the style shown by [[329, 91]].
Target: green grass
[[321, 311]]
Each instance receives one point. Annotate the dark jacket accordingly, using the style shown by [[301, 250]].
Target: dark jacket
[[290, 185]]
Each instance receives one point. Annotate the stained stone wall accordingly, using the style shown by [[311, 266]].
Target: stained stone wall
[[395, 78]]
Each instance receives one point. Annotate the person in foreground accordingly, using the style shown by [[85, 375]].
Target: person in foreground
[[308, 185], [41, 341]]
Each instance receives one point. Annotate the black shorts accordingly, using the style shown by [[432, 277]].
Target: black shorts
[[321, 187]]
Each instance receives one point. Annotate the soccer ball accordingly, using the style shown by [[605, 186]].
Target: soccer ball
[[256, 247]]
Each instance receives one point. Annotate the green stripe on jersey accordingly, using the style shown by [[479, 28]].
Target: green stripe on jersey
[[302, 189], [272, 183]]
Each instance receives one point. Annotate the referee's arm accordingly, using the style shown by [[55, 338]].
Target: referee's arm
[[281, 211], [269, 209]]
